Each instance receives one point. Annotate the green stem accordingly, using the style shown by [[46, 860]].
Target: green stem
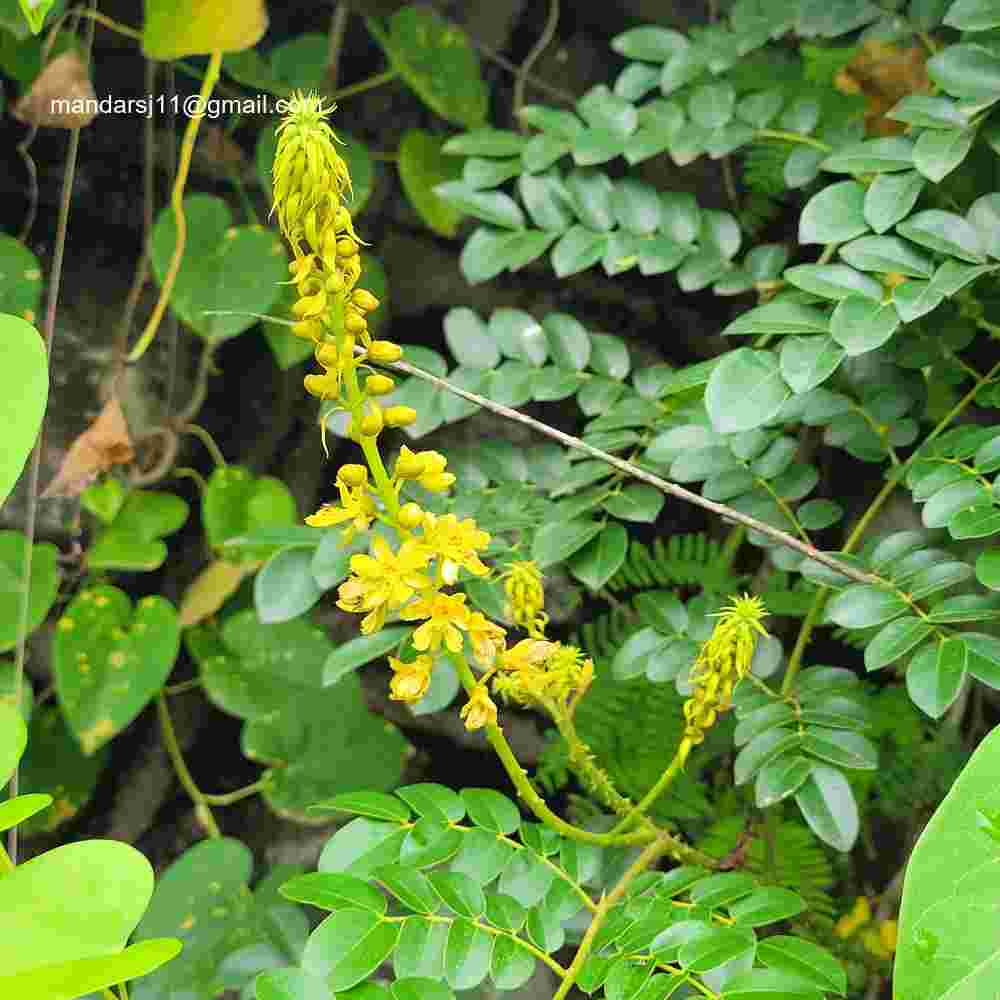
[[207, 440], [183, 774], [228, 798], [650, 855], [6, 865], [526, 790], [732, 545], [663, 783], [369, 83]]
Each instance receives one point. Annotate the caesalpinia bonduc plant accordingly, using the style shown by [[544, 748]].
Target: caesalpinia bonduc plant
[[413, 570]]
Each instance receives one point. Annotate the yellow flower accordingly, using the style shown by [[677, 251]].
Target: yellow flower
[[860, 914], [455, 543], [479, 710], [445, 614], [526, 654], [383, 581], [434, 478], [410, 680], [486, 637], [356, 507]]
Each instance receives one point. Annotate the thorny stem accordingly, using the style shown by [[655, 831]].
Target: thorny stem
[[173, 748], [650, 855], [177, 203]]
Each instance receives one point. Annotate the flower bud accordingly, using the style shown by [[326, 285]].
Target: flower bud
[[400, 416], [372, 422], [346, 247], [354, 322], [410, 516], [408, 465], [379, 385], [321, 386], [334, 282], [327, 355], [308, 329], [385, 351], [364, 300], [353, 475]]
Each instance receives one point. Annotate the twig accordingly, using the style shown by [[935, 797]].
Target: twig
[[544, 40], [504, 63], [335, 41], [672, 489]]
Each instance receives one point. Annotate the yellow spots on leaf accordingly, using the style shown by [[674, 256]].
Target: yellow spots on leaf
[[117, 660], [100, 732], [66, 624], [231, 233], [33, 274], [118, 634], [101, 601], [139, 627], [148, 602], [188, 922], [29, 315], [62, 810]]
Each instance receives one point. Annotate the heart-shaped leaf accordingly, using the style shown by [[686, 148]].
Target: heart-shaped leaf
[[110, 660], [43, 589], [237, 503], [176, 28], [224, 267], [272, 676], [24, 391], [132, 540]]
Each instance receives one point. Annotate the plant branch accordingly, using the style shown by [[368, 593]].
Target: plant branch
[[544, 40]]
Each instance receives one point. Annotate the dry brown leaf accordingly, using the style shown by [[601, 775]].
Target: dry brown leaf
[[210, 589], [884, 74], [104, 443], [61, 96]]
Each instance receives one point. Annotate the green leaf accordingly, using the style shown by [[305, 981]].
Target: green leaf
[[271, 676], [54, 765], [285, 587], [42, 590], [914, 299], [984, 215], [491, 810], [16, 810], [578, 248], [843, 748], [411, 887], [769, 984], [110, 660], [195, 28], [807, 362], [943, 232], [780, 778], [347, 947], [434, 801], [510, 965], [422, 167], [895, 640], [333, 891], [828, 806], [557, 541], [711, 105], [638, 502], [290, 984], [420, 988], [420, 950], [467, 955], [133, 539], [860, 325], [984, 657], [25, 390], [872, 156], [376, 805], [936, 674], [778, 319], [494, 207], [460, 892], [301, 62], [942, 913], [469, 341], [834, 215], [437, 60], [601, 109], [237, 504], [969, 71], [766, 906], [225, 267], [973, 15], [361, 847], [805, 960], [891, 197], [744, 391], [833, 281], [13, 738], [862, 605], [938, 152], [768, 746], [649, 44], [602, 557], [887, 254], [43, 925]]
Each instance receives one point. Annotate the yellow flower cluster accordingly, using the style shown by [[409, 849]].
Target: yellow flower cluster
[[878, 940], [723, 661], [408, 580]]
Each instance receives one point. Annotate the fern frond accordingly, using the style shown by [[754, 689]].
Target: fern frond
[[693, 559], [799, 862]]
